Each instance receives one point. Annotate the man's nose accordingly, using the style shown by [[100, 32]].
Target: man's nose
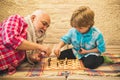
[[45, 28]]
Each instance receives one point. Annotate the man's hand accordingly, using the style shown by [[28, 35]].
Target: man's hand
[[45, 50], [35, 57]]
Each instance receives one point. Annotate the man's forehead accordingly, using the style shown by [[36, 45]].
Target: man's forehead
[[45, 17]]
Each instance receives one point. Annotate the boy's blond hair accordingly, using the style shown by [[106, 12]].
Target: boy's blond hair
[[82, 17]]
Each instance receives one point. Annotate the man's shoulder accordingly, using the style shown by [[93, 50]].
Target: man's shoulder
[[16, 16]]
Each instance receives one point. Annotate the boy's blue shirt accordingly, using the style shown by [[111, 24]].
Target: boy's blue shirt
[[90, 40]]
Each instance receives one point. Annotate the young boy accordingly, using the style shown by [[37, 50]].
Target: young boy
[[87, 41]]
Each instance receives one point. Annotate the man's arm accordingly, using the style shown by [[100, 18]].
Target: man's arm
[[27, 45]]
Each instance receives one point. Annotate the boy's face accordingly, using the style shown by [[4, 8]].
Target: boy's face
[[83, 29]]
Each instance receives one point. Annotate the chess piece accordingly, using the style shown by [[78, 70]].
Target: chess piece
[[49, 60]]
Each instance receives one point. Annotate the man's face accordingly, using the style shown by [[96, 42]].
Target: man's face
[[41, 23]]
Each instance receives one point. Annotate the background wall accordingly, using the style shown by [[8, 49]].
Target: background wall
[[107, 15]]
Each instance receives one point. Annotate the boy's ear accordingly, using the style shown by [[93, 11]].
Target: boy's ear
[[32, 17]]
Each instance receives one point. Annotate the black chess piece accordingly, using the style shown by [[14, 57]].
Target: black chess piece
[[49, 60]]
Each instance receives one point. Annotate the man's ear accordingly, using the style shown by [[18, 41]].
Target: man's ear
[[32, 17]]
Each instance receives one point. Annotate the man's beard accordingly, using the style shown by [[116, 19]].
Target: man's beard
[[39, 33]]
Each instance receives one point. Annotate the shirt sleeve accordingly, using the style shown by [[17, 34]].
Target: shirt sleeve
[[67, 37], [11, 34], [101, 43]]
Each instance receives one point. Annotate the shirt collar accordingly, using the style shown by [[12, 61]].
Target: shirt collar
[[88, 33]]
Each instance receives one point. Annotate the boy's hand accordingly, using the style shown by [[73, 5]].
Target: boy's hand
[[82, 51], [57, 51]]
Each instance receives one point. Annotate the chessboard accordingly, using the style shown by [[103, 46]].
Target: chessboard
[[65, 64], [53, 67], [66, 69]]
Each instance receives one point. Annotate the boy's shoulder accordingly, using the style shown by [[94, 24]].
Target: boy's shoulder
[[96, 32], [72, 30], [95, 29]]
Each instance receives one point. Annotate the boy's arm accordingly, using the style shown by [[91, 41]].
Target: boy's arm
[[100, 46], [83, 51], [61, 44], [66, 39], [100, 42], [58, 48]]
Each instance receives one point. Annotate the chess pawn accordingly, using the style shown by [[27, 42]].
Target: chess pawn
[[70, 64], [49, 61], [53, 63], [77, 63], [65, 63], [61, 64]]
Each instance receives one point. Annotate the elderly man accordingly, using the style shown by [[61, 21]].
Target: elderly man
[[19, 38]]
